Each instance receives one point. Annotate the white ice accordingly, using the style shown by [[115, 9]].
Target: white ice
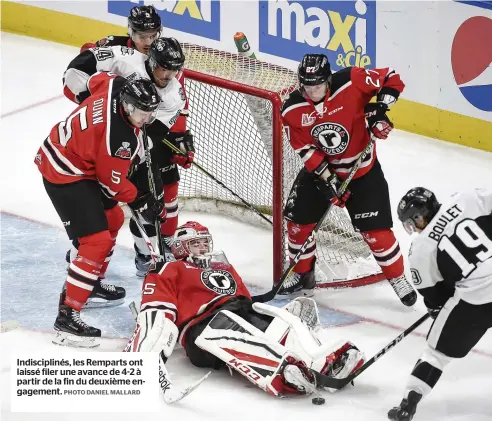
[[32, 102]]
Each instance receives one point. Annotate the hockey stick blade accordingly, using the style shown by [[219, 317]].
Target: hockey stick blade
[[183, 393], [330, 382], [170, 393]]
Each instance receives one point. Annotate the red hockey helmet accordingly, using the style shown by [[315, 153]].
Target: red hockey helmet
[[185, 237]]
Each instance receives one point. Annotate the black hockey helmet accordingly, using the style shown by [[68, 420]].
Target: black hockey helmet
[[141, 94], [419, 205], [314, 69], [166, 53], [144, 18]]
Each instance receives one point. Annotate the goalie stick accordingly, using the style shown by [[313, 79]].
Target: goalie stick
[[220, 183], [270, 295], [330, 382]]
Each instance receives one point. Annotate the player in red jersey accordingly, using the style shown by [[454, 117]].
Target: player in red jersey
[[325, 121], [202, 302], [144, 27], [84, 162]]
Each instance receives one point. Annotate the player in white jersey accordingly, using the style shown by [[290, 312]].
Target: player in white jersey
[[165, 60], [451, 266]]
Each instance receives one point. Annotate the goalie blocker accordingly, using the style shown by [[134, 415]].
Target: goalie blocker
[[201, 301]]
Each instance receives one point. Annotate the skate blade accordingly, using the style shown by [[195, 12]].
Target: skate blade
[[74, 341], [101, 302]]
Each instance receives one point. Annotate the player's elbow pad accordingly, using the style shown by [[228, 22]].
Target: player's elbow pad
[[75, 82], [154, 333]]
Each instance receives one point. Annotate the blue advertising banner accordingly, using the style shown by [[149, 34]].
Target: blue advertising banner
[[343, 30], [195, 17]]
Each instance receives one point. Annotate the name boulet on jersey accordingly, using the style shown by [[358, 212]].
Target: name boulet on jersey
[[443, 220]]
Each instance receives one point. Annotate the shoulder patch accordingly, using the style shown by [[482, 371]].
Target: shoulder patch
[[106, 41], [125, 51], [124, 151]]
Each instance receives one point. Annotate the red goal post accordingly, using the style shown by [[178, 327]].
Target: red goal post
[[235, 117]]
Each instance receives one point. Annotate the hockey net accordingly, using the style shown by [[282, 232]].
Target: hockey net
[[234, 105]]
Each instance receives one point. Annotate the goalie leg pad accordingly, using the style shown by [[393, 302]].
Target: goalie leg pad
[[340, 363], [300, 339], [154, 332], [336, 360], [305, 309], [245, 349]]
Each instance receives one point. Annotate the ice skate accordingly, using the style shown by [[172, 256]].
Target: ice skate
[[404, 290], [71, 330], [105, 295]]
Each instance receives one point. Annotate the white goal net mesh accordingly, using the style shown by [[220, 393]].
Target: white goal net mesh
[[234, 140]]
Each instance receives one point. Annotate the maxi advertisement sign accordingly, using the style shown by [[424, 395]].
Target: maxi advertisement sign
[[195, 17], [343, 30]]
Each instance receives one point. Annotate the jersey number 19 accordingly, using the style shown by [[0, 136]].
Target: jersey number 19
[[469, 245]]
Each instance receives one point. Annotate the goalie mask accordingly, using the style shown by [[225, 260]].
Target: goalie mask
[[193, 241]]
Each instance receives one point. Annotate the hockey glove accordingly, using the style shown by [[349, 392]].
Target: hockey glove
[[379, 123], [149, 207], [330, 188], [185, 143], [433, 310]]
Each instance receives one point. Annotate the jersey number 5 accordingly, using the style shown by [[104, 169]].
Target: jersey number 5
[[65, 127], [474, 239]]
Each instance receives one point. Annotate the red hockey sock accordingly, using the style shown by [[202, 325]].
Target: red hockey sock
[[85, 269], [386, 251], [116, 218], [297, 235], [168, 227]]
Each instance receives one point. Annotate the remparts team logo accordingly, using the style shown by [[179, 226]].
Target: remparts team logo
[[471, 59], [343, 30], [191, 16]]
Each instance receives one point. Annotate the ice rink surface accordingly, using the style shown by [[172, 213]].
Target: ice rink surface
[[33, 245]]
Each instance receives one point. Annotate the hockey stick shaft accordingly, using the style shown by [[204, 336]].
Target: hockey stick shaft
[[153, 188], [156, 257], [220, 183], [270, 295], [331, 382]]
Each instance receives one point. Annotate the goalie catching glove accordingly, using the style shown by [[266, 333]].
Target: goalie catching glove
[[184, 141], [149, 207]]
